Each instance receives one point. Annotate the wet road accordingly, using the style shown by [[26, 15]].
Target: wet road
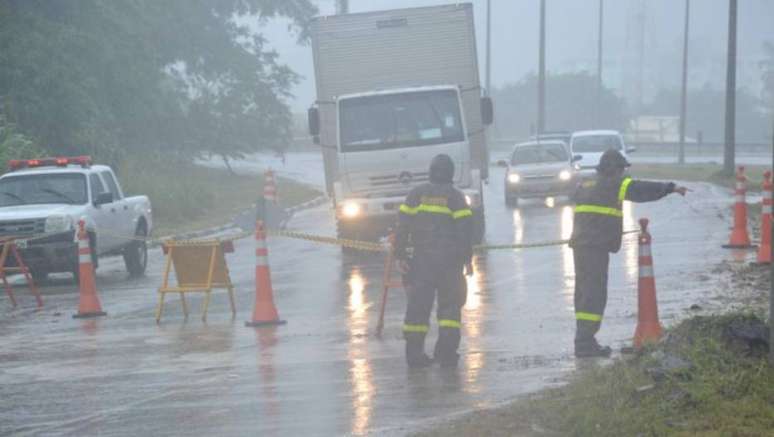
[[324, 373]]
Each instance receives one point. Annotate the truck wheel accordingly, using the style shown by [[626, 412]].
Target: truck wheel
[[94, 262], [136, 253], [39, 276], [511, 201], [479, 226]]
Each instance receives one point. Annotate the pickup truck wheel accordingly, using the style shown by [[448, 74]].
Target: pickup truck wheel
[[136, 253]]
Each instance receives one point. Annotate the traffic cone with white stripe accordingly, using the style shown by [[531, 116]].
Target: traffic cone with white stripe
[[740, 239], [269, 186], [265, 313], [89, 305], [764, 252], [648, 326]]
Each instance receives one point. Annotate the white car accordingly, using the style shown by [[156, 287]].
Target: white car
[[42, 200], [589, 145], [539, 169]]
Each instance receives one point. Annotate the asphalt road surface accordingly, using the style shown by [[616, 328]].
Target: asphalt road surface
[[324, 372]]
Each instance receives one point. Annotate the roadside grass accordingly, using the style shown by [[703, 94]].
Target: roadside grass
[[186, 197], [698, 173], [723, 388]]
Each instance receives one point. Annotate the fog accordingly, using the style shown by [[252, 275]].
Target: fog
[[656, 25]]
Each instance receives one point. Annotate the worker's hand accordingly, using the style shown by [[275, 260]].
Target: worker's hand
[[681, 190], [403, 266], [469, 269]]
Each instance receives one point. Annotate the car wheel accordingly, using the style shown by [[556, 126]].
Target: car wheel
[[136, 253], [511, 201]]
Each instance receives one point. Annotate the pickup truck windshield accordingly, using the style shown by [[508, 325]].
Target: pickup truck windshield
[[400, 120], [69, 188], [538, 154], [596, 143]]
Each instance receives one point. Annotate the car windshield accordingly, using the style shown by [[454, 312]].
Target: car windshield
[[596, 143], [400, 120], [539, 153], [68, 188]]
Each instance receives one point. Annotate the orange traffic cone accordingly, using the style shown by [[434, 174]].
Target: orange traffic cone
[[740, 239], [89, 301], [265, 313], [764, 252], [269, 186], [648, 326]]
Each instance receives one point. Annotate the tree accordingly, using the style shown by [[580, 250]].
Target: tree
[[570, 105], [179, 76]]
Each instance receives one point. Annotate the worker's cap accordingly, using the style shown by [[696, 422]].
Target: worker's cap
[[442, 169], [612, 159]]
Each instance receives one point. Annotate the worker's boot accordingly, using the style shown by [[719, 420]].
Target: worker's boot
[[586, 345], [415, 351], [445, 352]]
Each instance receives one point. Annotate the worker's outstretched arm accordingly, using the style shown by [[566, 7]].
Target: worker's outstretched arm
[[647, 191]]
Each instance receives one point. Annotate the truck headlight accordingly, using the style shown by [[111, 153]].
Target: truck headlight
[[514, 178], [351, 210], [565, 175], [57, 223]]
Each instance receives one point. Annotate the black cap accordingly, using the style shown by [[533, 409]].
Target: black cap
[[612, 160], [442, 169]]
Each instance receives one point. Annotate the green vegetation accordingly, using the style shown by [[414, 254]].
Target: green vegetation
[[717, 385], [186, 197], [698, 173], [119, 78]]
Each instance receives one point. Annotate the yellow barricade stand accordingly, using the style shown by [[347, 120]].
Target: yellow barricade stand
[[199, 266]]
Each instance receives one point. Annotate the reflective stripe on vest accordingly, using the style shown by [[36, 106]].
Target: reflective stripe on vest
[[447, 323], [590, 317], [435, 209], [606, 210], [416, 328]]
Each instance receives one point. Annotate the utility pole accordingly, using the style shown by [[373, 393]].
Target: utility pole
[[488, 47], [683, 95], [342, 7], [541, 127], [598, 117], [771, 293], [730, 147]]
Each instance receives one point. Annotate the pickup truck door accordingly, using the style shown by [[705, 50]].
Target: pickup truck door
[[103, 218], [119, 212]]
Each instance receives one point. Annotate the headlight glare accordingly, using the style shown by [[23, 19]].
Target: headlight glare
[[351, 210], [514, 178], [565, 175]]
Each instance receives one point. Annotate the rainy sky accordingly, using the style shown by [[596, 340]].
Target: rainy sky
[[645, 33]]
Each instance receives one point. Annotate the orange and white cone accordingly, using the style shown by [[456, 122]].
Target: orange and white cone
[[265, 313], [740, 239], [764, 251], [648, 326], [89, 305], [269, 186]]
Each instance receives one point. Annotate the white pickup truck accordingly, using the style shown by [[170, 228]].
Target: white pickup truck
[[42, 200]]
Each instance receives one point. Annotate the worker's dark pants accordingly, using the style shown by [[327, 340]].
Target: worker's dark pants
[[431, 275], [591, 264]]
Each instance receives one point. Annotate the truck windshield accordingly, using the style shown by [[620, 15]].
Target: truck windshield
[[596, 143], [400, 120], [537, 154], [69, 188]]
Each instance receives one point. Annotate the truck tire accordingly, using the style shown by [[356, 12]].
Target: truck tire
[[39, 276], [136, 253], [94, 262], [511, 201]]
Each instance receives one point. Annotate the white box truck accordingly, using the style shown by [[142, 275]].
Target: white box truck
[[394, 89]]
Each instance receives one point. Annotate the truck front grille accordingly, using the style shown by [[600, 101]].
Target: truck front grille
[[391, 180], [22, 228]]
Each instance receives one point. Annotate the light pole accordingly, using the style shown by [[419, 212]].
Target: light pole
[[684, 93], [541, 125], [488, 47], [599, 65], [342, 7], [730, 147]]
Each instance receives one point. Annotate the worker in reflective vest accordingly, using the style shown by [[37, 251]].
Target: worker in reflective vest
[[597, 232], [436, 222]]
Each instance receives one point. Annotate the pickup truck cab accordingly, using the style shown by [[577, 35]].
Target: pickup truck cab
[[42, 201]]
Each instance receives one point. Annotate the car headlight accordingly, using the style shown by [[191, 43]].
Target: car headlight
[[514, 178], [351, 210], [565, 175], [468, 200], [57, 223]]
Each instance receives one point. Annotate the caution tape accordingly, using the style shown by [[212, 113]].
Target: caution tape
[[369, 246]]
